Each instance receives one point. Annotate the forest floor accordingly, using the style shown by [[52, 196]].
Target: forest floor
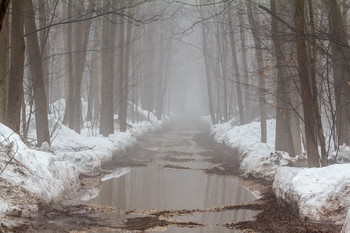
[[78, 217]]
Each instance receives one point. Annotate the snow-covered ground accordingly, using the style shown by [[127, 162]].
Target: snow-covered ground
[[256, 159], [318, 194], [31, 177], [87, 152]]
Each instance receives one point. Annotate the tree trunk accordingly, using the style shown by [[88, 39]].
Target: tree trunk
[[3, 67], [236, 68], [245, 68], [317, 115], [43, 48], [3, 8], [261, 76], [94, 77], [16, 68], [306, 95], [69, 64], [24, 119], [42, 126], [125, 87], [341, 70], [107, 78], [164, 88], [147, 98], [284, 140], [160, 76], [208, 73], [221, 50], [82, 39]]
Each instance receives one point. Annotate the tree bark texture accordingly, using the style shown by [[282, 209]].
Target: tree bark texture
[[245, 68], [261, 76], [125, 87], [16, 67], [107, 78], [41, 120], [341, 70], [3, 8], [236, 70], [306, 94], [3, 67], [284, 140]]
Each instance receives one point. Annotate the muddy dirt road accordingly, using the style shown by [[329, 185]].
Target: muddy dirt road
[[174, 181]]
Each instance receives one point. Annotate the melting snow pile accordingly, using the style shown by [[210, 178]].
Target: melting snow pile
[[87, 152], [88, 149], [320, 194], [30, 177], [257, 159]]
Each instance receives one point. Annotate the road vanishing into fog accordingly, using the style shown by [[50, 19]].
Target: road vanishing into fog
[[176, 180], [164, 185]]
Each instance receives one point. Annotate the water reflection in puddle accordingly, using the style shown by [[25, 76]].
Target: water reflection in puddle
[[155, 188]]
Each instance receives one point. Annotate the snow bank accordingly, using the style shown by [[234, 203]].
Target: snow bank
[[31, 175], [256, 159], [320, 194], [87, 152]]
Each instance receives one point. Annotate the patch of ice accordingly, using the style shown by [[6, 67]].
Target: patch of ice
[[116, 174]]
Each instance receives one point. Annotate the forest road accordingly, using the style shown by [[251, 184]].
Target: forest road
[[175, 180]]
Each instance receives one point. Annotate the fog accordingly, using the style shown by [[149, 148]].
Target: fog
[[108, 63], [163, 103]]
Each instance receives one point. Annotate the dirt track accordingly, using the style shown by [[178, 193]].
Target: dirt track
[[171, 153]]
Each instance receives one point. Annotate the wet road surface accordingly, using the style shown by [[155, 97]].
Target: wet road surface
[[161, 186]]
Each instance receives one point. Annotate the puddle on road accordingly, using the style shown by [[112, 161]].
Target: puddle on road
[[155, 188], [153, 198]]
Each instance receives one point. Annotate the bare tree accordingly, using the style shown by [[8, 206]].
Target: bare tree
[[125, 80], [306, 94], [245, 67], [41, 120], [236, 68], [16, 67], [341, 70], [107, 75], [94, 95], [208, 72], [3, 67], [284, 141], [261, 76]]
